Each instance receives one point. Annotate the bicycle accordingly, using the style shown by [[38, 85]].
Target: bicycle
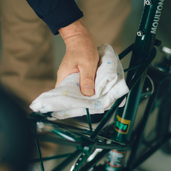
[[119, 140]]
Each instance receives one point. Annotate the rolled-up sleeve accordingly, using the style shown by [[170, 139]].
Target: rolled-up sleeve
[[56, 13]]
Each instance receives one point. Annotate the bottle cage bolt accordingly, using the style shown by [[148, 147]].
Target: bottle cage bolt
[[148, 2]]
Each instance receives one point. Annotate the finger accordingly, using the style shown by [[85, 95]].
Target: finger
[[63, 73], [87, 84]]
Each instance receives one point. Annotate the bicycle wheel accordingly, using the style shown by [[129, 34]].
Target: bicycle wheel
[[164, 114], [15, 135]]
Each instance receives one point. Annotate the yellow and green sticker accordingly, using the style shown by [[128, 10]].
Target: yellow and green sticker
[[122, 125]]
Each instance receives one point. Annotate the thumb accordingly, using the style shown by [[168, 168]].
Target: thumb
[[87, 84]]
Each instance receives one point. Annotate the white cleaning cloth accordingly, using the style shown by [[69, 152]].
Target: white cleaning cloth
[[66, 100]]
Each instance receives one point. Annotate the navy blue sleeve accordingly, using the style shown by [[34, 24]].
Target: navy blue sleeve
[[56, 13]]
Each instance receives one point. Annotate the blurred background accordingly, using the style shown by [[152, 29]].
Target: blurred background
[[159, 161]]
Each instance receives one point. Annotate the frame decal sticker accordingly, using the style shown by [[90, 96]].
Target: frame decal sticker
[[121, 125], [157, 17], [115, 159]]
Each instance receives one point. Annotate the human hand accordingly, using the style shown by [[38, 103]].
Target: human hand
[[81, 56]]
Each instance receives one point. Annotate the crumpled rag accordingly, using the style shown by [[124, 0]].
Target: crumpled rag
[[67, 101]]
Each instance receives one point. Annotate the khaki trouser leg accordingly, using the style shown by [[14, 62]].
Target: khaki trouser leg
[[26, 68], [105, 20]]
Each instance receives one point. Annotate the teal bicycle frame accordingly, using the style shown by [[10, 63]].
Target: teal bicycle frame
[[143, 52]]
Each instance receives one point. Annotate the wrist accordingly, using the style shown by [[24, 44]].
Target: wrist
[[74, 31]]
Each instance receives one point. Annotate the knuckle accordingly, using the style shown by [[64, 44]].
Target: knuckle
[[88, 80]]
